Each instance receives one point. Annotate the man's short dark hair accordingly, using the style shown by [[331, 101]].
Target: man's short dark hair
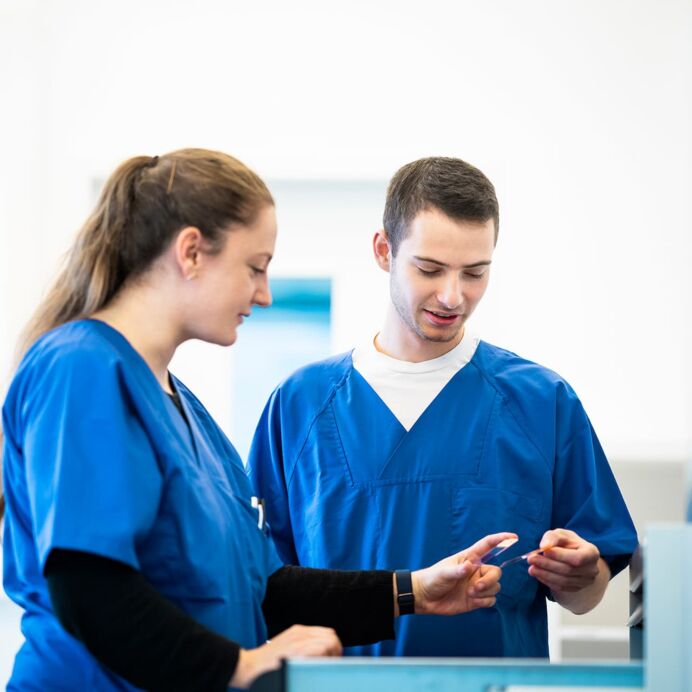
[[453, 186]]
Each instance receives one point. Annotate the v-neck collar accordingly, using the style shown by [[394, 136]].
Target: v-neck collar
[[188, 420], [156, 395], [379, 449], [463, 357], [408, 389], [421, 422]]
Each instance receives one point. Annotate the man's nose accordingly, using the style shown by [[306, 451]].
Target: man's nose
[[450, 294]]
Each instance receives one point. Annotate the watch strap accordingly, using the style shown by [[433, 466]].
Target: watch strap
[[404, 587]]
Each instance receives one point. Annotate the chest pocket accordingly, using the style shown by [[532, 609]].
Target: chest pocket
[[206, 544], [479, 511]]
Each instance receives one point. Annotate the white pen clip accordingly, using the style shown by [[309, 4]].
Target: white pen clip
[[258, 504]]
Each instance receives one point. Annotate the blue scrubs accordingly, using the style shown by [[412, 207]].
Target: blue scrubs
[[505, 446], [98, 459]]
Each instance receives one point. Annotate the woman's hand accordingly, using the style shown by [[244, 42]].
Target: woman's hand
[[459, 583], [295, 641]]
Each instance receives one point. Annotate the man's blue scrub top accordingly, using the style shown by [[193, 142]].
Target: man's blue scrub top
[[98, 459], [505, 446]]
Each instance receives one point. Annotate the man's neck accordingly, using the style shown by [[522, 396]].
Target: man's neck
[[399, 341]]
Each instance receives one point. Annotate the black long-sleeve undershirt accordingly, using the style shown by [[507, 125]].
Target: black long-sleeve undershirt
[[146, 639]]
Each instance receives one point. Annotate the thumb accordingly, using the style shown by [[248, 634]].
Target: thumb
[[550, 539]]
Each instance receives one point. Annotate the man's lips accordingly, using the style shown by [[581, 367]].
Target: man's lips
[[441, 318]]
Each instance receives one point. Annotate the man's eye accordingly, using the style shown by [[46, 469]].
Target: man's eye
[[258, 270], [471, 275], [430, 272]]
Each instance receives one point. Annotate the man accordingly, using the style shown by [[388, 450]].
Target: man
[[427, 439]]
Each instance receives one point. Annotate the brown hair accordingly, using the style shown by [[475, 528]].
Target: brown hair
[[451, 185], [142, 206]]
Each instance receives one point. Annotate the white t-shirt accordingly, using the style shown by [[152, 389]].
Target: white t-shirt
[[409, 388]]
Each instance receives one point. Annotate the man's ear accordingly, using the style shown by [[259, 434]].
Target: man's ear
[[188, 251], [382, 250]]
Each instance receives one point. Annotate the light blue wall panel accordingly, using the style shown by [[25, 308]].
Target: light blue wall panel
[[275, 342]]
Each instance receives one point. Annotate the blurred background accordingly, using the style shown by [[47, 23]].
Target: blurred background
[[579, 112]]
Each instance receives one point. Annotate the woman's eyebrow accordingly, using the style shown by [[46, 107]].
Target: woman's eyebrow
[[266, 255]]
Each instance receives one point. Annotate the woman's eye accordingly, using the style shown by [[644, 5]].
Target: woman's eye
[[428, 272], [258, 270], [470, 275]]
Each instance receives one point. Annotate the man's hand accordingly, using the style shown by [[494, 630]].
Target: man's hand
[[572, 569], [295, 641], [459, 583]]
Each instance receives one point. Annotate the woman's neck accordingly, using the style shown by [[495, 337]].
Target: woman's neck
[[145, 321]]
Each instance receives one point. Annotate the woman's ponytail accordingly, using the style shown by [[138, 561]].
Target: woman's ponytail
[[143, 204]]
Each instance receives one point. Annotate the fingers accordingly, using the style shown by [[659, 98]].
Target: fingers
[[325, 643], [569, 564], [485, 581], [566, 569], [300, 640], [567, 552], [567, 559], [559, 582], [295, 641], [483, 590], [487, 602], [559, 537], [475, 552], [484, 587]]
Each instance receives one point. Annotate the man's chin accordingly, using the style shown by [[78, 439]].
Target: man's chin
[[440, 336]]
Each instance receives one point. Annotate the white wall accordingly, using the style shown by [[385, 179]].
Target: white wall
[[579, 112]]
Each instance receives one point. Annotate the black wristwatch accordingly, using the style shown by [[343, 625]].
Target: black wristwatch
[[404, 588]]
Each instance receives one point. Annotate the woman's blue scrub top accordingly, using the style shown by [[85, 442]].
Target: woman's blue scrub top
[[505, 446], [98, 459]]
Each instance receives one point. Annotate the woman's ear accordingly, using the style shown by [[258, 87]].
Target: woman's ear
[[383, 254], [188, 251]]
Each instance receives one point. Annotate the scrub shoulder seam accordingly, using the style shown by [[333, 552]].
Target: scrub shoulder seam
[[510, 408], [331, 393]]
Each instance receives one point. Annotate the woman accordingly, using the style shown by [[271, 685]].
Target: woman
[[130, 538]]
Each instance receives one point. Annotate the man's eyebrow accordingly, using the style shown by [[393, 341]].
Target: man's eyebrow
[[483, 263]]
